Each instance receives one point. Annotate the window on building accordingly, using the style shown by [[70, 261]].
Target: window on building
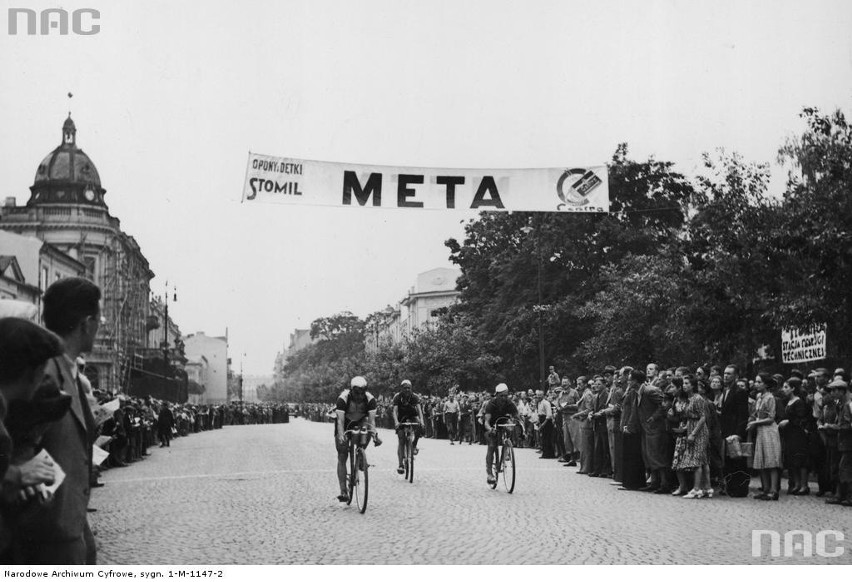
[[42, 283]]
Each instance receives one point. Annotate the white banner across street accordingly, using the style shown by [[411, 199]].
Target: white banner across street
[[304, 182]]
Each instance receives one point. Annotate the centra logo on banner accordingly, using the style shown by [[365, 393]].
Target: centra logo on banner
[[798, 543], [574, 187]]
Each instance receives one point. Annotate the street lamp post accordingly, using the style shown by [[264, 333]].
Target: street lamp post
[[540, 308], [241, 380], [165, 343]]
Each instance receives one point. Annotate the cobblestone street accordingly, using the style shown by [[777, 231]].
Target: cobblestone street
[[266, 494]]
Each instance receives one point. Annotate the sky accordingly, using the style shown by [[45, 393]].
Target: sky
[[170, 96]]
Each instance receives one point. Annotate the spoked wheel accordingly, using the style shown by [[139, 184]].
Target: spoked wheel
[[405, 456], [351, 476], [361, 480], [507, 467], [410, 453]]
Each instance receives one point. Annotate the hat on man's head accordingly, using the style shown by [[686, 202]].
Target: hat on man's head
[[501, 387], [839, 384], [405, 383], [609, 370]]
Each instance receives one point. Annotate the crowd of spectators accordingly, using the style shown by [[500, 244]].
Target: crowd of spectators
[[689, 433], [694, 434], [141, 423], [57, 434]]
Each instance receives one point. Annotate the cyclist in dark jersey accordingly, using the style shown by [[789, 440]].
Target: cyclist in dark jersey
[[498, 407], [355, 408], [406, 408]]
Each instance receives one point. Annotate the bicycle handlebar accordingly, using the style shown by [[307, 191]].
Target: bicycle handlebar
[[350, 432]]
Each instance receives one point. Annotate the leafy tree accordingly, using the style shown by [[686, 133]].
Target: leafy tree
[[731, 268], [501, 255], [813, 240], [642, 314], [449, 354]]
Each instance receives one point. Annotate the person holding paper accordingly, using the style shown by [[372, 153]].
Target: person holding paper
[[25, 349], [59, 533]]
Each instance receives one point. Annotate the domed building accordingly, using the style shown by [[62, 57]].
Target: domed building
[[67, 209]]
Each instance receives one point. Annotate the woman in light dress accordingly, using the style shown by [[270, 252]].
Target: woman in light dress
[[767, 441]]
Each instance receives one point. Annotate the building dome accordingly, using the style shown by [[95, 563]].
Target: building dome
[[67, 175]]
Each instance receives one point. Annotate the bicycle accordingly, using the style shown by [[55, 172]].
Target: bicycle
[[408, 449], [357, 477], [505, 464]]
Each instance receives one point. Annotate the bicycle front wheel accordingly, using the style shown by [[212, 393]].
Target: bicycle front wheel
[[361, 480], [507, 466], [410, 453], [351, 475]]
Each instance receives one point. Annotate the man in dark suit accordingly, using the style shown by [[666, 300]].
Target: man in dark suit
[[656, 453], [601, 464], [165, 424], [58, 532], [733, 420], [632, 465]]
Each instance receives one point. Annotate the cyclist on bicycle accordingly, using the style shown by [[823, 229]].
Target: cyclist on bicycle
[[355, 408], [406, 408], [498, 407]]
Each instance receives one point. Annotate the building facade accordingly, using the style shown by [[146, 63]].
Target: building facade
[[213, 376], [433, 292], [40, 264], [196, 372], [12, 283], [67, 210]]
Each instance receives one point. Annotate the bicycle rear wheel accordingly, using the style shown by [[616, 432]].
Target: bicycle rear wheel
[[410, 453], [361, 480], [507, 466]]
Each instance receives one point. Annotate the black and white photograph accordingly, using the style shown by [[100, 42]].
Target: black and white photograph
[[292, 283]]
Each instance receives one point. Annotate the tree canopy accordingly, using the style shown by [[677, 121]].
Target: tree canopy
[[680, 271]]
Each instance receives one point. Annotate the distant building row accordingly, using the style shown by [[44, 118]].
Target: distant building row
[[433, 292]]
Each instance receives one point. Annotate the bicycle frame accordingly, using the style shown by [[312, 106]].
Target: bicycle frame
[[358, 441], [504, 460], [408, 450]]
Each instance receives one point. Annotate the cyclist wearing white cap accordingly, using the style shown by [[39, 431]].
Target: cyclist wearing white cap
[[497, 408], [406, 408], [355, 408]]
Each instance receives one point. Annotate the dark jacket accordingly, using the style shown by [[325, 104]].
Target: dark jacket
[[69, 442], [166, 420], [630, 411], [734, 416], [652, 414]]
